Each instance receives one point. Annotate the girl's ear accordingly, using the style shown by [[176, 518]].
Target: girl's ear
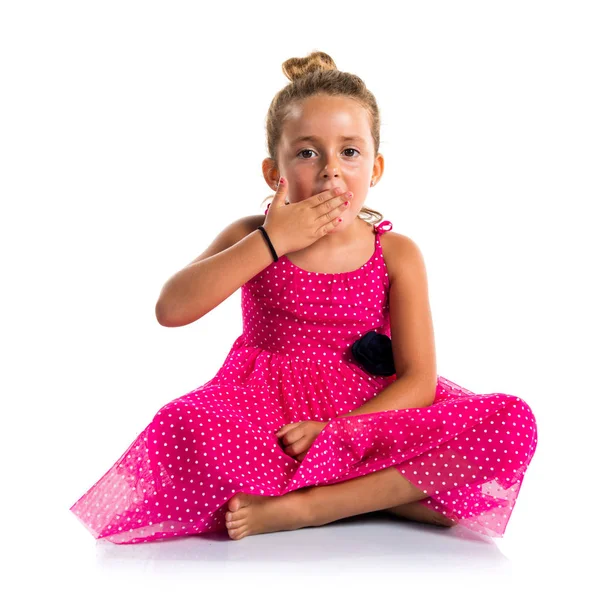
[[270, 172]]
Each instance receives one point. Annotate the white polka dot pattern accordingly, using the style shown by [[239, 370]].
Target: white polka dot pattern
[[293, 362]]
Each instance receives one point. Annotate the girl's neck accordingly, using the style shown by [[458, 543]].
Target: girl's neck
[[355, 239]]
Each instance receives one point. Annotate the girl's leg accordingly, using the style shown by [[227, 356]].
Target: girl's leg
[[382, 490], [413, 511], [317, 505]]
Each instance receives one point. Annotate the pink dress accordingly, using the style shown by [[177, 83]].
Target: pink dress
[[293, 362]]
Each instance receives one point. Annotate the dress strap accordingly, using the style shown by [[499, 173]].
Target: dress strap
[[383, 226]]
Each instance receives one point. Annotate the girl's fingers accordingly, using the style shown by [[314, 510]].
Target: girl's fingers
[[281, 192], [297, 446], [285, 429]]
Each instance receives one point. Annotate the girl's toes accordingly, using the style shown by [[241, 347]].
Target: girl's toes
[[238, 501], [238, 533]]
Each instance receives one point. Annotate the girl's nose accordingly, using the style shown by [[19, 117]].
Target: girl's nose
[[331, 169]]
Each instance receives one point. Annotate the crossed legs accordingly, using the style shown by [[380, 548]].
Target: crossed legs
[[384, 490]]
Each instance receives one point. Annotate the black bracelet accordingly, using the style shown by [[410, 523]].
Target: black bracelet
[[266, 236]]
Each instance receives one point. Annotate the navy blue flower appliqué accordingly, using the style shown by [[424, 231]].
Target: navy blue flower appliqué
[[374, 352]]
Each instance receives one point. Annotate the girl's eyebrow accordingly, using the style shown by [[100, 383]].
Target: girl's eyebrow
[[314, 138]]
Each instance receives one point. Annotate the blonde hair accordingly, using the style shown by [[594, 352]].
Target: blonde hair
[[317, 74]]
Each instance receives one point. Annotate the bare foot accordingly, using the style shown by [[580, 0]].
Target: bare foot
[[249, 514]]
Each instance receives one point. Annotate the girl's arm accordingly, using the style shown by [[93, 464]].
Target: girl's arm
[[235, 256]]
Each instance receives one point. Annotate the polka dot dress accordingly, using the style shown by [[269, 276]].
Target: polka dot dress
[[293, 362]]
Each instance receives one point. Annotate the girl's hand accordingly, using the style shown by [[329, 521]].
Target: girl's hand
[[295, 226], [297, 438]]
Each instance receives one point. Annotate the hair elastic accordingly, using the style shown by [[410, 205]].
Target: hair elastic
[[266, 236]]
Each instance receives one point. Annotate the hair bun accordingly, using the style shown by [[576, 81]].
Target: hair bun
[[295, 68]]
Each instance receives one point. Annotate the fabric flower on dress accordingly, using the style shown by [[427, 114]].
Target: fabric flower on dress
[[374, 352]]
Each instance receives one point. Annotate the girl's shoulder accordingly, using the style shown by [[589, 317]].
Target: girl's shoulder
[[400, 252], [245, 226], [230, 235], [253, 221]]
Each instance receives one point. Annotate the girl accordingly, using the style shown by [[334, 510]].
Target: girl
[[328, 404]]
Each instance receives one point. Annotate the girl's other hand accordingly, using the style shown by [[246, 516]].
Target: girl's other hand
[[295, 226], [297, 438]]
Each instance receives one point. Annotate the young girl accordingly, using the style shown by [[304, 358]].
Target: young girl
[[316, 414]]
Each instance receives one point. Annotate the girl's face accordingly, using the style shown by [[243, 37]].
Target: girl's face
[[327, 159]]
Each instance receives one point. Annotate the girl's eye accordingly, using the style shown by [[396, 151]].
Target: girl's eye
[[346, 150]]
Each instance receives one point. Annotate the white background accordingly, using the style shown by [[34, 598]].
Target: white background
[[132, 133]]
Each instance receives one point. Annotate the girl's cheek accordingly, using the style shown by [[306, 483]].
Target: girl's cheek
[[296, 194]]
